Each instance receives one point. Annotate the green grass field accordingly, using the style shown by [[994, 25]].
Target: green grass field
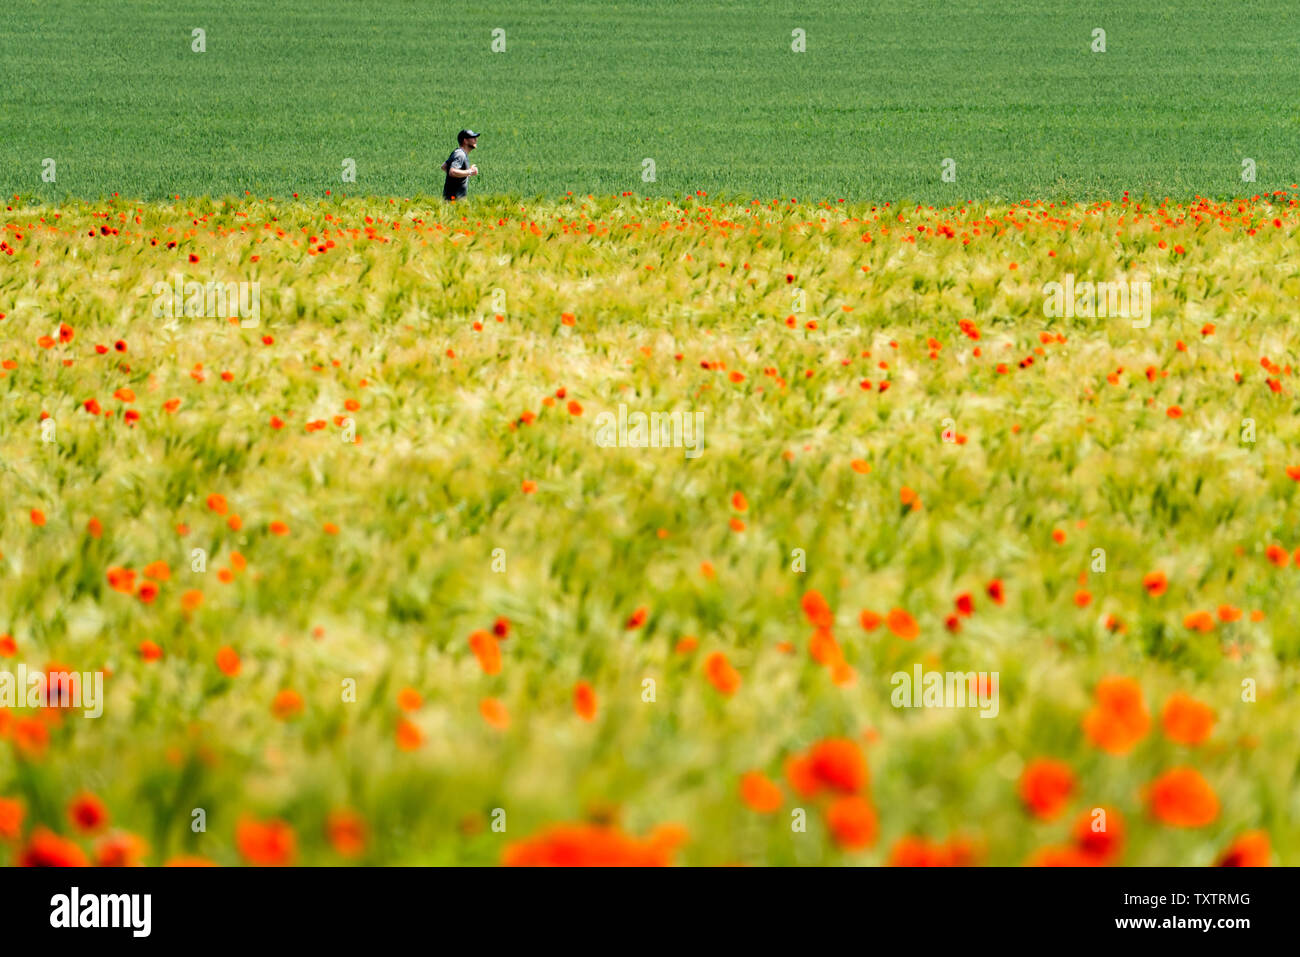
[[712, 92]]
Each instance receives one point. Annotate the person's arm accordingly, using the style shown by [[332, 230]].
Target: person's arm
[[463, 173]]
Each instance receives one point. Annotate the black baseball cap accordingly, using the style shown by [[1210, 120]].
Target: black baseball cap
[[464, 134]]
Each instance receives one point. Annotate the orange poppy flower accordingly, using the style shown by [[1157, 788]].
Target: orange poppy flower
[[869, 620], [287, 704], [120, 850], [1249, 850], [11, 819], [1045, 786], [917, 852], [159, 571], [760, 792], [911, 851], [121, 579], [265, 844], [228, 661], [963, 851], [494, 713], [346, 831], [843, 675], [217, 503], [824, 649], [1061, 857], [902, 624], [1155, 583], [31, 737], [594, 845], [408, 699], [1187, 720], [409, 736], [799, 772], [46, 849], [584, 701], [852, 822], [721, 675], [1119, 718], [1183, 798], [1100, 835], [487, 651], [817, 609], [838, 763]]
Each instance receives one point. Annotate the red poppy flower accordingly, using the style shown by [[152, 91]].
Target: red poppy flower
[[1045, 786], [46, 849], [1182, 798]]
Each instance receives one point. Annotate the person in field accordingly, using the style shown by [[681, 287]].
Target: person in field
[[458, 167]]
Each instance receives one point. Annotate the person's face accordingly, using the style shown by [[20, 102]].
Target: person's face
[[471, 142]]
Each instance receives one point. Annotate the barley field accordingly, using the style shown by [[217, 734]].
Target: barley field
[[387, 570]]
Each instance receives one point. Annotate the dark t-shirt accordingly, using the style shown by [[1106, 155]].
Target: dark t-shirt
[[455, 187]]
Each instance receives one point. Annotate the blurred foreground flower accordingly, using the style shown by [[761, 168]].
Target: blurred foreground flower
[[47, 849], [595, 845], [265, 843]]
